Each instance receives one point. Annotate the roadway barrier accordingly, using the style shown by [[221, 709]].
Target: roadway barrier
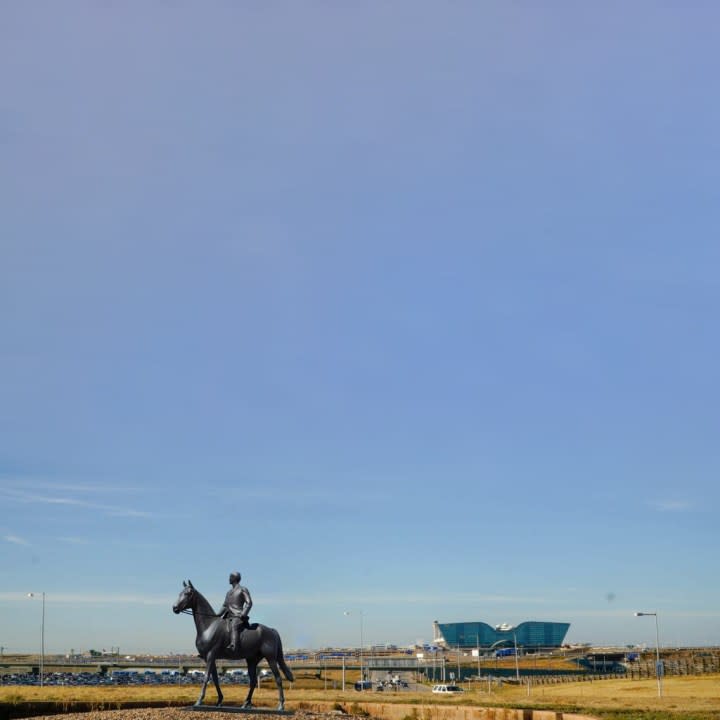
[[396, 711]]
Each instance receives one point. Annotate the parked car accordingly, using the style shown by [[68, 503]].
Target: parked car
[[363, 685], [504, 652], [443, 689]]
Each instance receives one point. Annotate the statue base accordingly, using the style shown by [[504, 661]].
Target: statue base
[[237, 709]]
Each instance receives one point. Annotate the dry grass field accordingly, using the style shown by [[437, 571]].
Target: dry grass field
[[683, 697], [694, 694]]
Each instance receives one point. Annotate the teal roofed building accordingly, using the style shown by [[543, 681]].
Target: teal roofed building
[[531, 634]]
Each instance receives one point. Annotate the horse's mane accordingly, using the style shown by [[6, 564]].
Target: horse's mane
[[203, 606]]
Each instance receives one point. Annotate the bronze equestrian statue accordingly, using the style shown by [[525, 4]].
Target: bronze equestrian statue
[[214, 637]]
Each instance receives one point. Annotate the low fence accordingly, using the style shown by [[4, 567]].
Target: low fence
[[638, 670]]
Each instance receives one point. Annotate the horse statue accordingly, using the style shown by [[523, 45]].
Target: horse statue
[[213, 636]]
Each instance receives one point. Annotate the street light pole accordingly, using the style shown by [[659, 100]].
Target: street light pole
[[362, 676], [42, 639], [360, 613], [507, 628], [658, 667]]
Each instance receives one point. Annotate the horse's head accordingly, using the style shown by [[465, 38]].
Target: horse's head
[[185, 599]]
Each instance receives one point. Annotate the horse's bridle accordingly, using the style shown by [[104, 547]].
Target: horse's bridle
[[190, 591]]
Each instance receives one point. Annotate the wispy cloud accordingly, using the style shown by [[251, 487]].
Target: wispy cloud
[[299, 495], [93, 598], [628, 613], [447, 599], [15, 540], [22, 496], [672, 505], [91, 488]]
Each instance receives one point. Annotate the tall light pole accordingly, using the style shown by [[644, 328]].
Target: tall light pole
[[507, 628], [658, 667], [360, 613], [42, 639]]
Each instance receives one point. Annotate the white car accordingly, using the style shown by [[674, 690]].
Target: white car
[[446, 689]]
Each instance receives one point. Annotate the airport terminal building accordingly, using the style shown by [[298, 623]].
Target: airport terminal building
[[535, 635]]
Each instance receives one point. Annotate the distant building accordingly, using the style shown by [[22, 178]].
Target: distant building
[[532, 634]]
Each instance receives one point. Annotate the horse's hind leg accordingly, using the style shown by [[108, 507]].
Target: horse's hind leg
[[252, 676], [278, 681]]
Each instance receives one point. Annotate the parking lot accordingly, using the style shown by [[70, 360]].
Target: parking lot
[[122, 677]]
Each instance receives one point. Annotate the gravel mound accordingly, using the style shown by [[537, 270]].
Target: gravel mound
[[180, 714]]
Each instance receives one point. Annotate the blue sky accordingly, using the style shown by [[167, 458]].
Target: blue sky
[[397, 307]]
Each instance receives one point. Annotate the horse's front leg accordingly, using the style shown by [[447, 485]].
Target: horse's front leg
[[209, 667], [216, 681]]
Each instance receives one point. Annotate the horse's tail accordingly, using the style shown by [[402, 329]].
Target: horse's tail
[[287, 672]]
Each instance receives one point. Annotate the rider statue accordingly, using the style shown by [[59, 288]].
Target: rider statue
[[237, 608]]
